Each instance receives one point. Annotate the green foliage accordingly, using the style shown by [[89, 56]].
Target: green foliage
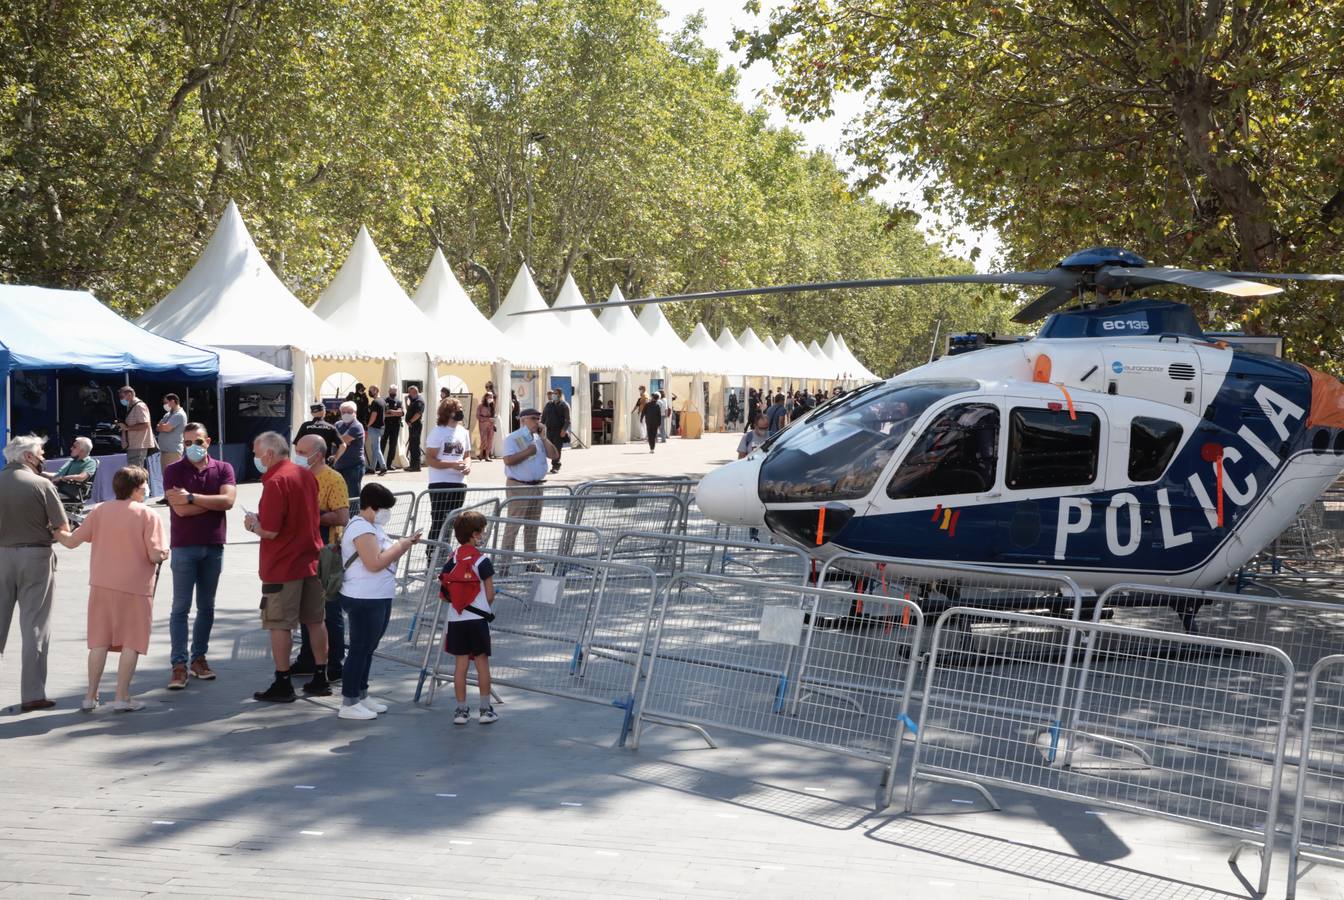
[[567, 134], [1198, 134]]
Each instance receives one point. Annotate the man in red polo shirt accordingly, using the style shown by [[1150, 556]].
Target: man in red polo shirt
[[287, 523]]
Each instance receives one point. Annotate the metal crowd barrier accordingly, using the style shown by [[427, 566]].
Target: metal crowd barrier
[[756, 657], [680, 485], [1305, 630], [612, 514], [1181, 727], [473, 495], [672, 554], [572, 627], [937, 587], [1310, 549], [403, 641], [402, 513], [1318, 812]]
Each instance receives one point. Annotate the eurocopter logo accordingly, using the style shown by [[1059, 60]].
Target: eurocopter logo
[[1117, 367]]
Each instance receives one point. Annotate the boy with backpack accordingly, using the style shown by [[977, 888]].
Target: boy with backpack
[[467, 585]]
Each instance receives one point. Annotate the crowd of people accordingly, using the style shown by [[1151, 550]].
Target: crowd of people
[[323, 569]]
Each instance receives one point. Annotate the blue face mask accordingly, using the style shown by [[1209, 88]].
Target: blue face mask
[[196, 453], [301, 462], [261, 466], [125, 402]]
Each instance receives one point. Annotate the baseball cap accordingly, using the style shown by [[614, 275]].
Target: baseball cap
[[530, 411]]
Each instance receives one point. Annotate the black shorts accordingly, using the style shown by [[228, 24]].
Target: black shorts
[[469, 638]]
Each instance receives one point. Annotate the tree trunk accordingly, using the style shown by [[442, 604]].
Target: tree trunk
[[1238, 193]]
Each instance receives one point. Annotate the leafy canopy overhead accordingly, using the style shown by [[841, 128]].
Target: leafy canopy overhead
[[1195, 133], [570, 135]]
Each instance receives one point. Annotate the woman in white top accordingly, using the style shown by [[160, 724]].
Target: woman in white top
[[369, 583], [448, 454]]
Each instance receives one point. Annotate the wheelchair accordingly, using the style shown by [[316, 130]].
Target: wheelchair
[[75, 499]]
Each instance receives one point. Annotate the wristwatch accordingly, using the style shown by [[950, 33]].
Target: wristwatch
[[191, 499]]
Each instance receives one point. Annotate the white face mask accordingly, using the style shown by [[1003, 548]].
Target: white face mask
[[347, 418], [167, 408], [382, 517]]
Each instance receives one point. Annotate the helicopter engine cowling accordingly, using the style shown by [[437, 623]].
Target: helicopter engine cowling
[[729, 493]]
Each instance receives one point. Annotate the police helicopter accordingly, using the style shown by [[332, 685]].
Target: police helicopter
[[1118, 444]]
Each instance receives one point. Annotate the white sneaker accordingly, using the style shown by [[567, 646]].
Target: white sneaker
[[488, 715], [130, 705], [462, 716], [357, 711], [370, 703]]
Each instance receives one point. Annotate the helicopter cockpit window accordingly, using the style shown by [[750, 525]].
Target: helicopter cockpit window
[[839, 454], [1152, 444], [1047, 448], [957, 454]]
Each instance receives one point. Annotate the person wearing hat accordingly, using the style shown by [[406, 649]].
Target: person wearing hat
[[525, 454], [319, 426]]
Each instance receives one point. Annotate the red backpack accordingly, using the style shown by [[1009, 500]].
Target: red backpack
[[459, 584]]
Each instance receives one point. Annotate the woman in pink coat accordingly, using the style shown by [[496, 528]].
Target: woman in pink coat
[[128, 545]]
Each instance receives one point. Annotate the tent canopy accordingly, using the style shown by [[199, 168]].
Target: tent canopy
[[715, 360], [53, 329], [672, 350], [626, 332], [732, 351], [534, 337], [589, 342], [858, 368], [760, 360], [470, 336], [231, 298], [365, 303], [237, 368]]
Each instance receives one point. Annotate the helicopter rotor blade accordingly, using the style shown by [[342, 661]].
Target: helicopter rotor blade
[[1288, 276], [1045, 304], [1121, 276], [1040, 278]]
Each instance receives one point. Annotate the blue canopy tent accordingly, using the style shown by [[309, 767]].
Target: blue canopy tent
[[47, 335]]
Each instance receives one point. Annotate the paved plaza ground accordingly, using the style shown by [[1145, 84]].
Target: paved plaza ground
[[207, 793]]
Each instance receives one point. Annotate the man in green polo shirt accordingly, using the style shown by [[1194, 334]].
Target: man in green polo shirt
[[74, 480]]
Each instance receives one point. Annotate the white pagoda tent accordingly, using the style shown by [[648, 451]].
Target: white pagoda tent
[[800, 362], [758, 356], [472, 351], [587, 341], [232, 299], [689, 370], [825, 365], [861, 372], [673, 353], [721, 372], [625, 330], [595, 357], [365, 303], [540, 344]]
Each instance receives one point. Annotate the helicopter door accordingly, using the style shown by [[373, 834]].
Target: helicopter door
[[1050, 454], [952, 465]]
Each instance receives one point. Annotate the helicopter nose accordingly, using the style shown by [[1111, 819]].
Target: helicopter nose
[[728, 494]]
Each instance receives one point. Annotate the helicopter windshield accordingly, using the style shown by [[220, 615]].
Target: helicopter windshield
[[840, 454]]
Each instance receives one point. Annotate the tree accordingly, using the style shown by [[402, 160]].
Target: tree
[[1200, 134]]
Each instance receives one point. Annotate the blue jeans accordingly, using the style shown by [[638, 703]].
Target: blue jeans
[[368, 621], [353, 476], [376, 460], [194, 569]]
